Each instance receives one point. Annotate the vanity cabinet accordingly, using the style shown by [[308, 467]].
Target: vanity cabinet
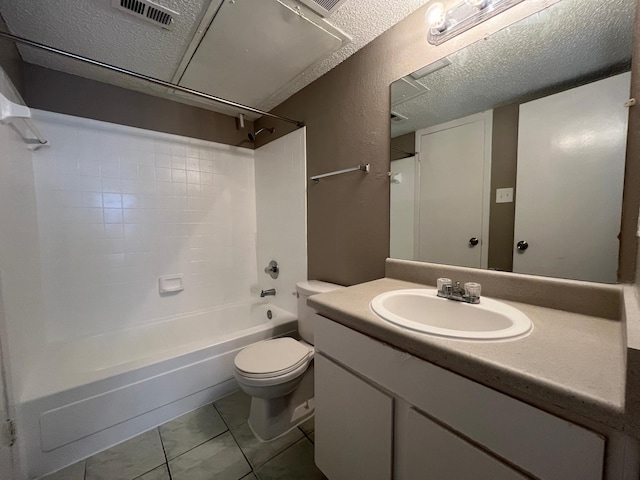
[[401, 417], [357, 427], [433, 451]]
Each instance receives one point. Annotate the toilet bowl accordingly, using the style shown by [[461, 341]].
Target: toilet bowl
[[278, 373]]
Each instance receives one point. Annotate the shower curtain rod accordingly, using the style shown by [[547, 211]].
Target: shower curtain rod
[[140, 76]]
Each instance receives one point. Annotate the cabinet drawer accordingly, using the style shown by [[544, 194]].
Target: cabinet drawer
[[354, 425], [433, 452], [537, 442]]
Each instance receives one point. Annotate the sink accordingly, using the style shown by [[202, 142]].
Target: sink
[[423, 311]]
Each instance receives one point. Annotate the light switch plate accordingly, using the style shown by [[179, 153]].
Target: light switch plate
[[504, 195]]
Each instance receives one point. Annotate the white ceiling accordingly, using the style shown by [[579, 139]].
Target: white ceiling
[[93, 28], [571, 42], [267, 55]]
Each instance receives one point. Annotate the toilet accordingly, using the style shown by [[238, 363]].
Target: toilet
[[278, 373]]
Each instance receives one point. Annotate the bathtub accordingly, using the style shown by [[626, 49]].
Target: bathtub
[[94, 392]]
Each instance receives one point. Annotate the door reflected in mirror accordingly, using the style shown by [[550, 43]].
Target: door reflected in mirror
[[509, 154]]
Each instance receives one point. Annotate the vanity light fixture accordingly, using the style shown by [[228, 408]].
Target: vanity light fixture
[[446, 24], [436, 18], [478, 3]]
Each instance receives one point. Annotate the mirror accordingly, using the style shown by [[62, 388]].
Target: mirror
[[509, 154]]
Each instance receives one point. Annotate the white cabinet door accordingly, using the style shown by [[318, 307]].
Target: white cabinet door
[[435, 453], [354, 425], [571, 154]]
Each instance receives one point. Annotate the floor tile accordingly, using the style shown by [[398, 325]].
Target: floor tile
[[72, 472], [251, 476], [234, 408], [309, 425], [160, 473], [128, 460], [217, 459], [295, 463], [190, 430], [312, 437], [258, 452]]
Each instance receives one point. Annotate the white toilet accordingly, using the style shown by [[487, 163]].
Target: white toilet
[[278, 373]]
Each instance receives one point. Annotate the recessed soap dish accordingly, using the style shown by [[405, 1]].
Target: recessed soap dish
[[171, 283]]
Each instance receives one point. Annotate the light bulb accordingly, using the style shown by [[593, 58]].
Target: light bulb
[[480, 4], [436, 17]]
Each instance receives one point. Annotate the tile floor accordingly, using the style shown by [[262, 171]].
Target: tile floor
[[211, 443]]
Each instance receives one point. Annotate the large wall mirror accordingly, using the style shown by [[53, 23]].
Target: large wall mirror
[[509, 154]]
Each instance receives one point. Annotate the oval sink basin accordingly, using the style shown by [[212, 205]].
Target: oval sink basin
[[423, 311]]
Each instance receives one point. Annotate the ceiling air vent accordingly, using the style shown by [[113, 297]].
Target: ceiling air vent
[[147, 10], [324, 8]]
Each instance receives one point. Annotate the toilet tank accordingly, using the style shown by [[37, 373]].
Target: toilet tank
[[306, 314]]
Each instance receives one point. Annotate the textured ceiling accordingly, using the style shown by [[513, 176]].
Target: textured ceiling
[[93, 28], [571, 42], [277, 51]]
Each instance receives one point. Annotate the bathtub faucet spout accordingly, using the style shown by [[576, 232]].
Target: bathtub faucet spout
[[265, 293]]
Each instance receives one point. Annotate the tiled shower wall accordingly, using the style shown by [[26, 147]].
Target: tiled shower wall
[[119, 207]]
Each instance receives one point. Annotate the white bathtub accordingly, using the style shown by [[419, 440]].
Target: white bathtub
[[97, 391]]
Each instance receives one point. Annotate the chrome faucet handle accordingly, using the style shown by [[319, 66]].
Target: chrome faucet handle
[[444, 287], [472, 291], [272, 269]]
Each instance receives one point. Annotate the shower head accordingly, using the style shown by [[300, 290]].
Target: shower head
[[252, 136]]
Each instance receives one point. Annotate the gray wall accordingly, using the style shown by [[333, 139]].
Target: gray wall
[[403, 146], [47, 89], [504, 160]]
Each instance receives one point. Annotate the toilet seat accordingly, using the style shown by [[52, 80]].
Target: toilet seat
[[278, 359], [262, 382]]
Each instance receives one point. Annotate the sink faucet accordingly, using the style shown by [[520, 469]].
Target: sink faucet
[[265, 293], [470, 293]]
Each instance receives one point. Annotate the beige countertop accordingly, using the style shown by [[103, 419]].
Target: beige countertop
[[572, 364]]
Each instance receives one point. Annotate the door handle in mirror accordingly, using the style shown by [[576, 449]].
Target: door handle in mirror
[[473, 241], [522, 245]]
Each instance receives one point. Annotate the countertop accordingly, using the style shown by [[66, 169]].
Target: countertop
[[572, 364]]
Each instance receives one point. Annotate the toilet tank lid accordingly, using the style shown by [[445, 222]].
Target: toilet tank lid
[[312, 287]]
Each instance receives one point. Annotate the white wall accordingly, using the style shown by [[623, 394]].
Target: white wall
[[119, 207], [282, 215], [20, 320], [19, 274]]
